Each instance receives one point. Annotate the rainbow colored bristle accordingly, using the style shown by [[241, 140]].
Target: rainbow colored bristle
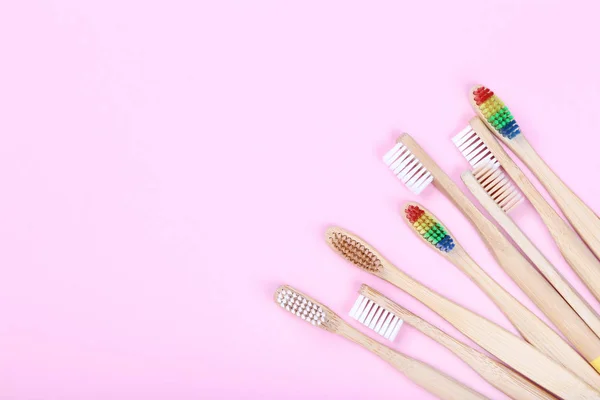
[[431, 230], [495, 112]]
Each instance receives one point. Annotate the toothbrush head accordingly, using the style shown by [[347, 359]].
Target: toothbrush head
[[498, 186], [492, 110], [428, 227], [303, 306], [354, 249], [407, 168], [473, 148], [376, 317]]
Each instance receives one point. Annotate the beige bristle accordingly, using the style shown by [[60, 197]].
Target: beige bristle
[[353, 250], [498, 186], [300, 305]]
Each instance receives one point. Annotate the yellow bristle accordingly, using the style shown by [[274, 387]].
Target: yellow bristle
[[424, 224], [491, 106]]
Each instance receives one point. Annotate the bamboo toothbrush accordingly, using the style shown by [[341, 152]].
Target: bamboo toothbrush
[[509, 348], [411, 163], [476, 138], [501, 122], [432, 231], [498, 196], [371, 307], [424, 375]]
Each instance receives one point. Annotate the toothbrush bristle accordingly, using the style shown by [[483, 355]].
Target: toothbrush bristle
[[472, 148], [487, 169], [353, 250], [300, 306], [407, 168], [376, 318], [429, 228], [495, 112], [498, 186]]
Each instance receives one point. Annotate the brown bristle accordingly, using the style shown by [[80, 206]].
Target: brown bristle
[[354, 251]]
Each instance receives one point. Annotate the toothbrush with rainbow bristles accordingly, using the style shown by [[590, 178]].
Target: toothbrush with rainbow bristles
[[423, 374], [432, 231], [498, 195], [413, 166], [501, 122]]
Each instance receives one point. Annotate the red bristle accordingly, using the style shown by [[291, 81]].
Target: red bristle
[[413, 213], [482, 94]]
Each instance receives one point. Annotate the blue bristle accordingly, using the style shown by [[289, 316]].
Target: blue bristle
[[446, 244], [510, 130]]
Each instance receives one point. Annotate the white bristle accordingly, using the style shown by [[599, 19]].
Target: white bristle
[[361, 308], [473, 149], [376, 318], [301, 307], [365, 313], [383, 329], [371, 315], [381, 320], [357, 304], [396, 329], [407, 168], [390, 329], [498, 186]]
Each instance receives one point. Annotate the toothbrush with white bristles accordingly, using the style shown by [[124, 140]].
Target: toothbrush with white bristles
[[372, 306], [500, 121], [424, 375], [490, 187], [432, 231], [523, 273], [506, 346], [476, 138]]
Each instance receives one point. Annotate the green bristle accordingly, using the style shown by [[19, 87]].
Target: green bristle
[[435, 233], [501, 118]]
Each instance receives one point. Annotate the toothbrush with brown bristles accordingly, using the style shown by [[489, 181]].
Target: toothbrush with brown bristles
[[430, 229], [423, 374], [507, 347], [498, 196], [476, 140], [371, 307], [500, 121], [411, 164]]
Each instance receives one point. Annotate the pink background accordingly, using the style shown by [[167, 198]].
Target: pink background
[[166, 165]]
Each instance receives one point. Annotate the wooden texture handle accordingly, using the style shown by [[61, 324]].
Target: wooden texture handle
[[582, 218], [533, 329], [424, 375], [575, 252], [562, 286], [497, 374], [506, 346], [525, 276]]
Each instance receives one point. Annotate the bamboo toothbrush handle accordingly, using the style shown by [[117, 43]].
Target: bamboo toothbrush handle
[[497, 374], [582, 218], [579, 305], [424, 375], [575, 252], [531, 327], [507, 347], [535, 286]]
